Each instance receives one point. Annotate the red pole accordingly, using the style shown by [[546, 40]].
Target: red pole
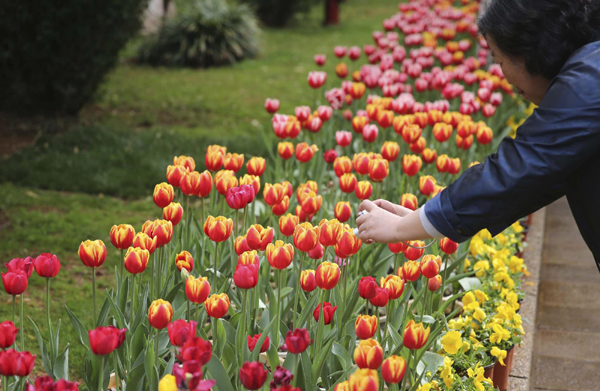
[[332, 12]]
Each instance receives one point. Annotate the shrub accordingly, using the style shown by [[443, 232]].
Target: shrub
[[54, 53], [278, 13], [210, 33]]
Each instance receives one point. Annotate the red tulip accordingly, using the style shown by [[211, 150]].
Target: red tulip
[[381, 297], [448, 246], [8, 334], [245, 276], [104, 340], [253, 375], [367, 287], [47, 265], [195, 349], [308, 281], [297, 341], [24, 265], [13, 363], [180, 331], [328, 311], [272, 105], [15, 283], [252, 341]]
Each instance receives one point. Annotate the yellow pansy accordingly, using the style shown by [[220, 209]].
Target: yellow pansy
[[457, 323], [481, 267], [500, 334], [468, 298], [515, 264], [517, 227], [167, 383], [501, 354], [485, 234], [481, 296], [452, 342], [479, 315], [446, 373]]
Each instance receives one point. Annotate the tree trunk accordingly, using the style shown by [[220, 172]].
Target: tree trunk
[[332, 12]]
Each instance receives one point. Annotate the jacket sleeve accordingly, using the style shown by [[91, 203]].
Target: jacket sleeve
[[533, 169]]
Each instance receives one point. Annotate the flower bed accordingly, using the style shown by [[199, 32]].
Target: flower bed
[[254, 280]]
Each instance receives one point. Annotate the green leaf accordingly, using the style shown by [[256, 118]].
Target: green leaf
[[103, 315], [430, 362], [79, 328], [307, 311], [61, 366], [469, 283], [343, 355], [42, 345], [306, 369], [317, 365], [149, 362], [218, 373], [425, 319]]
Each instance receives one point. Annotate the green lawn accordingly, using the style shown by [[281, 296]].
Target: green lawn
[[143, 116], [122, 144]]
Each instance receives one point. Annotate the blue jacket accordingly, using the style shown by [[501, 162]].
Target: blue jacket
[[556, 152]]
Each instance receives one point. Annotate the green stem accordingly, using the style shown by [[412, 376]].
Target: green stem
[[50, 339], [156, 345], [133, 289], [189, 311], [297, 290], [152, 272], [215, 267], [444, 279], [277, 324], [116, 365], [101, 375], [14, 309], [122, 262], [22, 330], [321, 324], [159, 271], [424, 302], [396, 264], [94, 295], [407, 374]]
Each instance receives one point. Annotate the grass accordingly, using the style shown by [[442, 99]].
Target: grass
[[143, 116], [123, 142]]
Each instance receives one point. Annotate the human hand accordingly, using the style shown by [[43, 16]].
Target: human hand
[[398, 210], [379, 225]]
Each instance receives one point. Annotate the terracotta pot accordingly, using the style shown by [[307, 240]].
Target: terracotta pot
[[529, 219], [501, 372], [488, 372]]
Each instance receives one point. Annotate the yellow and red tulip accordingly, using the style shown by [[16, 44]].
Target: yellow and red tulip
[[368, 354], [285, 150], [378, 169], [173, 213], [280, 254], [308, 280], [143, 241], [394, 285], [364, 380], [430, 265], [163, 194], [306, 236], [184, 260], [217, 305], [342, 211], [393, 369], [410, 271], [273, 194], [160, 314], [342, 165], [92, 253], [426, 185], [415, 335], [331, 231], [327, 275], [409, 201], [366, 326], [197, 289], [305, 152], [256, 166], [363, 190], [218, 229], [233, 162], [411, 164], [282, 207], [175, 174], [185, 161], [390, 150], [121, 236], [360, 161], [136, 260]]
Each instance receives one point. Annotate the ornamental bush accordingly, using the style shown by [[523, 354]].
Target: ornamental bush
[[54, 54], [210, 33]]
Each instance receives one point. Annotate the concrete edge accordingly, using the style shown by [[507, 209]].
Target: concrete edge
[[522, 365]]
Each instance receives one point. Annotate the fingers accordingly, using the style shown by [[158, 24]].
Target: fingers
[[402, 211], [360, 220], [367, 205]]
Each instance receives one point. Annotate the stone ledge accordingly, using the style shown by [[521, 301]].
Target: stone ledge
[[521, 372]]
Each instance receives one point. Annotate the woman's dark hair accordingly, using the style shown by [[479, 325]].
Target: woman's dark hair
[[542, 32]]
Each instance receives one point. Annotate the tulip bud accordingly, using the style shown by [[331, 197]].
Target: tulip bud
[[160, 314], [104, 340], [426, 185], [360, 161], [297, 341], [285, 149], [273, 194], [397, 248], [162, 230], [195, 349], [256, 166], [121, 236], [394, 286], [175, 174], [364, 380], [218, 229], [305, 152], [8, 334], [136, 260], [287, 224], [341, 70], [343, 138], [172, 212], [415, 335], [413, 253], [327, 275], [430, 265], [366, 326], [429, 155], [233, 162], [280, 254], [393, 369], [197, 289], [390, 150], [245, 276], [308, 281], [185, 161], [485, 135], [252, 341], [271, 105], [316, 79], [434, 283], [46, 265], [368, 354], [217, 305], [348, 244], [306, 236], [241, 245], [411, 164], [317, 252], [163, 194], [92, 253], [184, 260], [342, 165], [328, 311], [448, 246], [381, 297], [143, 241], [409, 201], [367, 287], [180, 331], [363, 190], [348, 183], [378, 169], [342, 211], [410, 271]]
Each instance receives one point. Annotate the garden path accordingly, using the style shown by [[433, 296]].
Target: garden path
[[567, 335]]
